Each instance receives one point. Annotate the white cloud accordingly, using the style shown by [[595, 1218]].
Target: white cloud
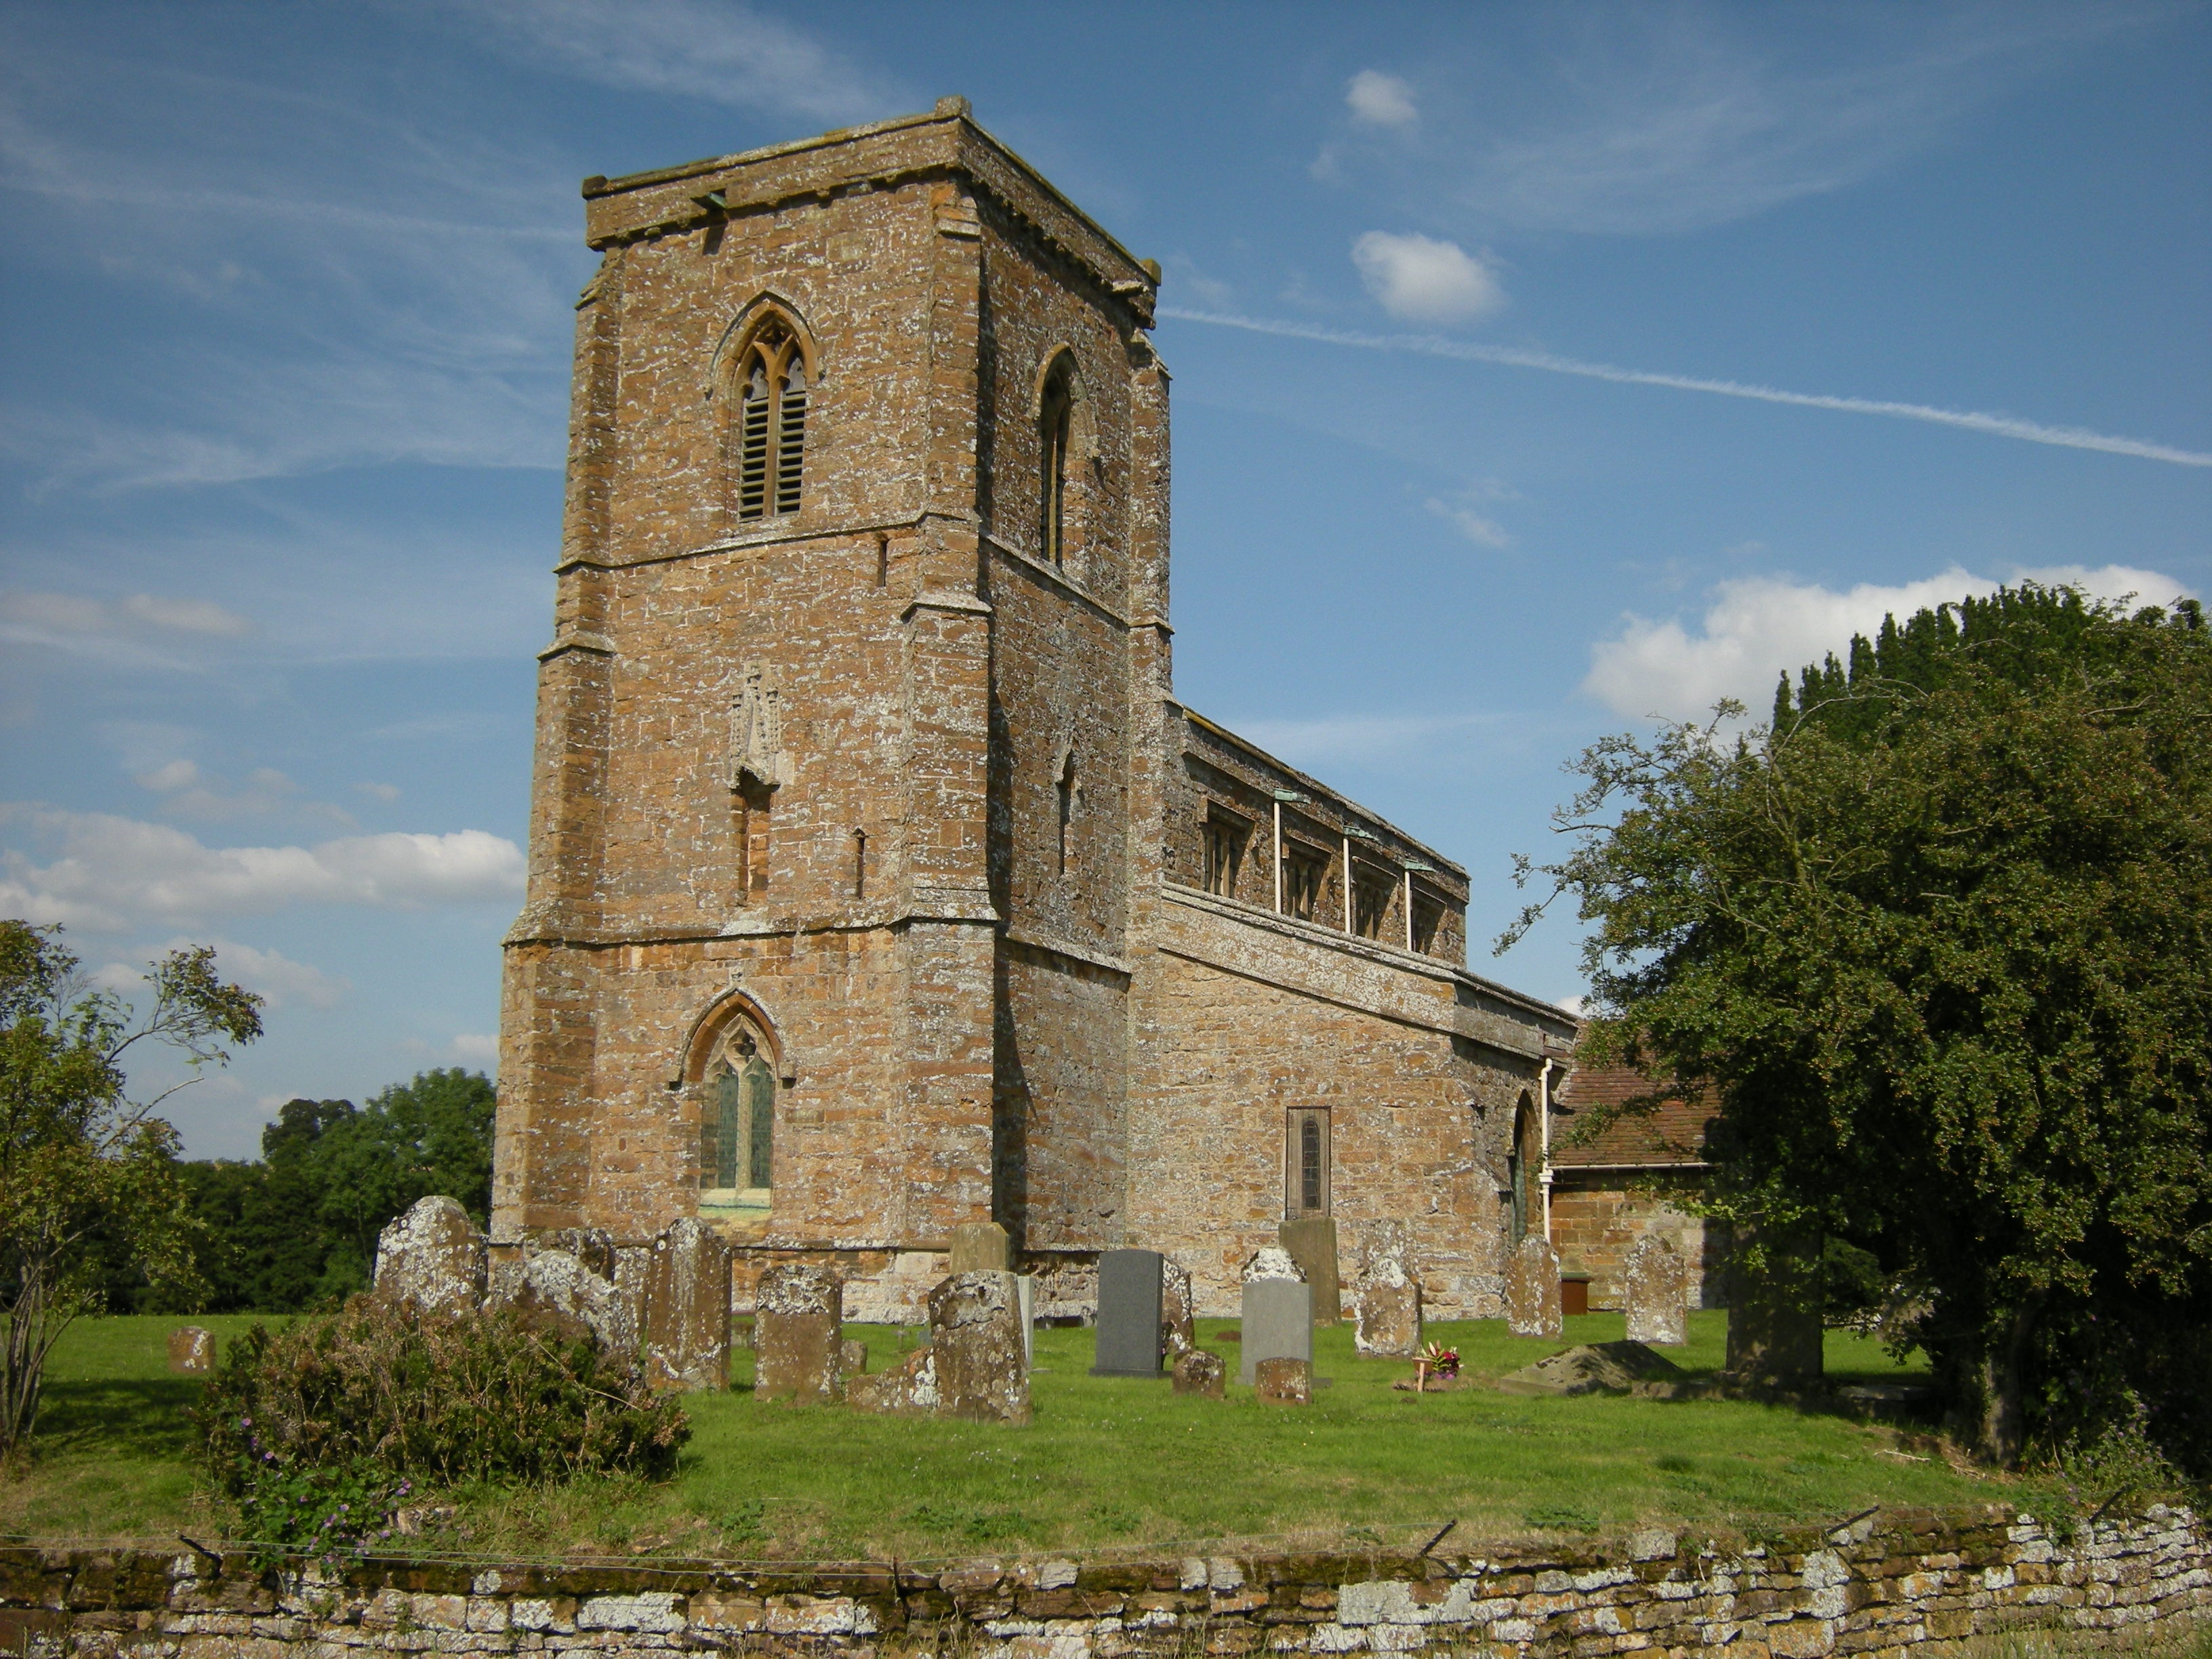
[[1759, 627], [65, 618], [727, 54], [1574, 1006], [1423, 280], [192, 793], [386, 792], [1462, 513], [274, 976], [1380, 99], [112, 874], [481, 1048]]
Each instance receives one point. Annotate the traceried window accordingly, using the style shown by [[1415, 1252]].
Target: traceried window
[[1222, 838], [737, 1130], [1303, 872], [1306, 1162], [1055, 435], [771, 423]]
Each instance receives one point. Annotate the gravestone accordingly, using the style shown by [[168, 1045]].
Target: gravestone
[[432, 1256], [1197, 1371], [1311, 1242], [1129, 1310], [1774, 1310], [1532, 1290], [979, 1247], [907, 1389], [799, 1317], [1386, 1303], [1281, 1382], [1178, 1308], [684, 1317], [1658, 1292], [557, 1290], [975, 1334], [852, 1357], [1278, 1321], [191, 1352]]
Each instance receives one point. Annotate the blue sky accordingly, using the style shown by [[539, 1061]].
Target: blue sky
[[287, 313]]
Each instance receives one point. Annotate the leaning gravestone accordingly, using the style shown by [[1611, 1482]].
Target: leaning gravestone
[[685, 1318], [432, 1256], [1311, 1242], [798, 1315], [191, 1352], [1774, 1310], [1129, 1330], [1278, 1314], [1178, 1311], [556, 1289], [1532, 1290], [1658, 1292], [976, 1339], [980, 1247], [1386, 1303]]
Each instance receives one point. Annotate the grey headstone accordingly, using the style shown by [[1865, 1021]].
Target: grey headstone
[[1311, 1242], [1658, 1292], [1532, 1290], [1277, 1324], [975, 1335], [683, 1315], [1386, 1302], [1129, 1283], [798, 1312]]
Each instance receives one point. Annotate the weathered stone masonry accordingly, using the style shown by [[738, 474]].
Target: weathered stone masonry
[[887, 795], [1878, 1585]]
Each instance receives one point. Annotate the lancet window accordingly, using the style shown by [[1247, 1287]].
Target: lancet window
[[737, 1128]]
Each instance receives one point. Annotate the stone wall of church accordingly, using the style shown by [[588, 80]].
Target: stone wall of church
[[1237, 1027]]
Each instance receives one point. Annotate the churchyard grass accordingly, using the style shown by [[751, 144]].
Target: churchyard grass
[[1109, 1462]]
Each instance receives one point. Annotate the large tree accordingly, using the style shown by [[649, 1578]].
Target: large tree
[[1939, 941], [86, 1172]]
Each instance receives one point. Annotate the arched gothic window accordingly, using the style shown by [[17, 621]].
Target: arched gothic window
[[771, 422], [1523, 1165], [737, 1128], [1056, 435]]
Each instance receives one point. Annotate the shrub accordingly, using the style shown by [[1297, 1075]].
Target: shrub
[[382, 1390]]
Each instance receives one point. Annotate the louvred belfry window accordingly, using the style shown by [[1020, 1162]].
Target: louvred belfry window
[[771, 434]]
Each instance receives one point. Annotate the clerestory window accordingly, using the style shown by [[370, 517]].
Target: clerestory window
[[1222, 838], [771, 427], [1304, 873]]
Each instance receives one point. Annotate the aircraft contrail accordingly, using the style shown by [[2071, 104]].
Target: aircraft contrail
[[2002, 426]]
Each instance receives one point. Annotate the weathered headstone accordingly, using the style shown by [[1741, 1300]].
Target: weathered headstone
[[1129, 1307], [1282, 1381], [1386, 1303], [1658, 1291], [980, 1247], [1532, 1290], [1774, 1310], [1178, 1308], [1277, 1322], [1311, 1242], [798, 1315], [192, 1351], [907, 1389], [432, 1256], [685, 1316], [554, 1289], [1197, 1371], [852, 1357], [975, 1334]]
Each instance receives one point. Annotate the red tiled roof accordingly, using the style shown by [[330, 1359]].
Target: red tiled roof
[[1674, 1132]]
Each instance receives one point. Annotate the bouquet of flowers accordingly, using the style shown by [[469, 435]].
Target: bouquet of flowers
[[1440, 1360]]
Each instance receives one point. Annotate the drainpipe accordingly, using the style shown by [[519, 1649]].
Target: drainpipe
[[1347, 883], [1544, 1165], [1278, 856]]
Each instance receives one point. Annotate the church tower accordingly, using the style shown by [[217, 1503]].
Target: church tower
[[847, 794]]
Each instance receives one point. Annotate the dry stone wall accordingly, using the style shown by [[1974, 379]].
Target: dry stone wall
[[1888, 1584]]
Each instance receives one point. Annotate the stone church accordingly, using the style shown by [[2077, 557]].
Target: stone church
[[878, 883]]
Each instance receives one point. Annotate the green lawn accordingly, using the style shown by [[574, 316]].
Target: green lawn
[[1108, 1462]]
